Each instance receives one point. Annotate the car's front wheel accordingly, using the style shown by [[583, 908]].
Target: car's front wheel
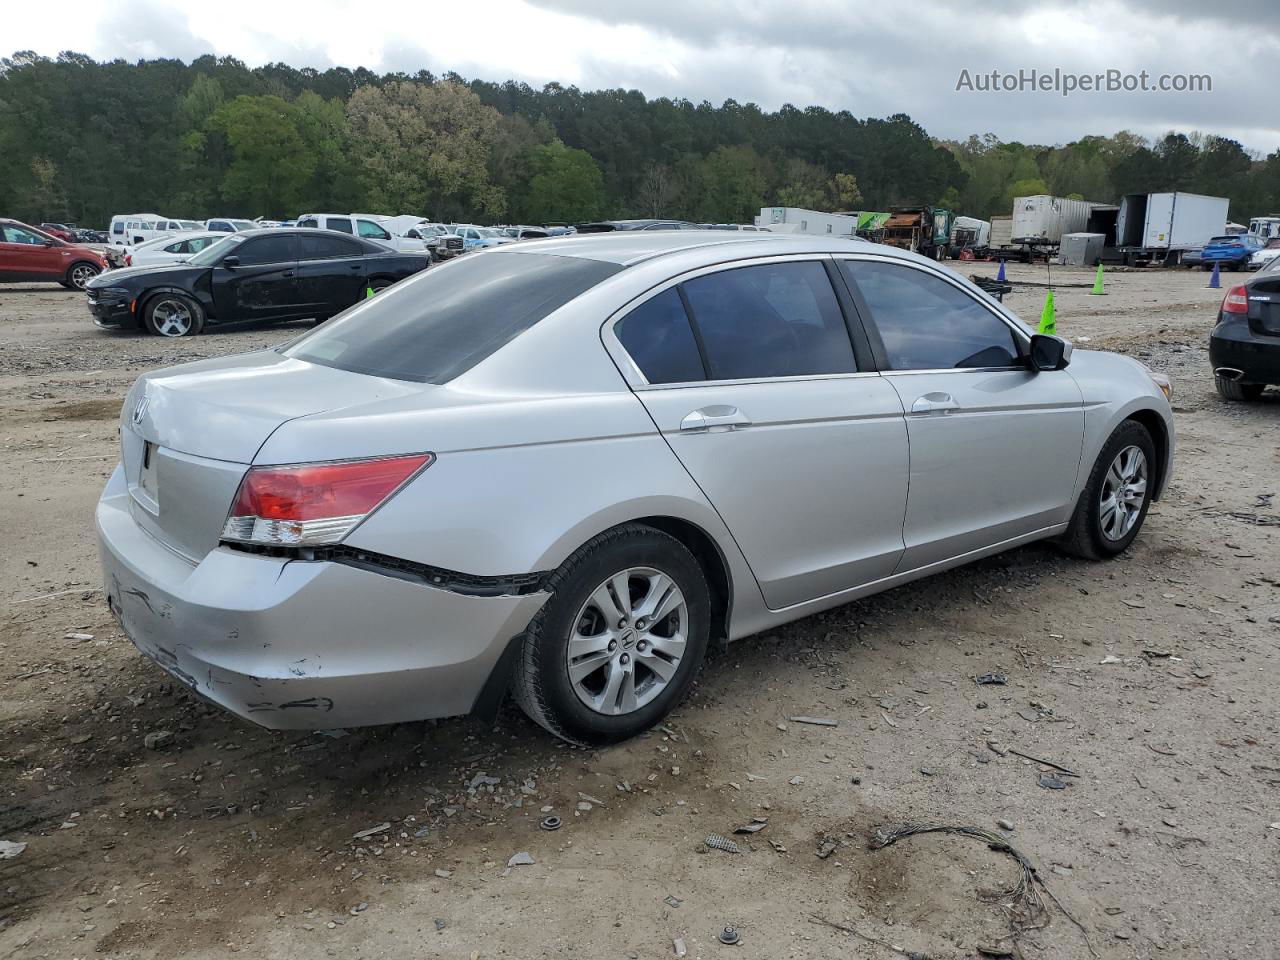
[[619, 642], [173, 315], [79, 275], [1114, 503]]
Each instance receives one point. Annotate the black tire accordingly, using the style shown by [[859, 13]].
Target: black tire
[[156, 308], [381, 283], [541, 682], [1235, 390], [79, 274], [1084, 537]]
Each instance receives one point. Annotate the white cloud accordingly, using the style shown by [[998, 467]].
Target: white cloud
[[873, 60]]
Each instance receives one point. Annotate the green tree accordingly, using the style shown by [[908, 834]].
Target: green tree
[[425, 147], [270, 162], [566, 184], [730, 186]]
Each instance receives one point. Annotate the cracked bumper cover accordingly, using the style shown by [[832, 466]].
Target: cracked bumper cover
[[292, 644]]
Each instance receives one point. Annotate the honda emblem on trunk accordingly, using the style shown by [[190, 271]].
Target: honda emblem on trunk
[[140, 410]]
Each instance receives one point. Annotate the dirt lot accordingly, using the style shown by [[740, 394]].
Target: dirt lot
[[1153, 677]]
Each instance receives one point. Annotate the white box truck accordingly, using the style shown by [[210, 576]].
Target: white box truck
[[1042, 220], [1160, 227]]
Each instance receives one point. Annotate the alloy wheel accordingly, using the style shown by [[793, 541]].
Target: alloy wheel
[[1124, 491], [627, 641], [82, 274], [172, 318]]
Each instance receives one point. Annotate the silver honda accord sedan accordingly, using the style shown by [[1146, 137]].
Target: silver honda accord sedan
[[561, 469]]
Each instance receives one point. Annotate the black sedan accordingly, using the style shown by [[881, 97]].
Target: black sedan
[[1244, 347], [269, 275]]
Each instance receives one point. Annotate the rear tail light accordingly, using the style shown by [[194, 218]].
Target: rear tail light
[[1236, 300], [314, 504]]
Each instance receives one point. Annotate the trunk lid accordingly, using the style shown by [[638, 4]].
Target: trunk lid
[[1264, 305], [189, 433]]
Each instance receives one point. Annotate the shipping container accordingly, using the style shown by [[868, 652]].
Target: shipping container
[[1044, 219], [1161, 226]]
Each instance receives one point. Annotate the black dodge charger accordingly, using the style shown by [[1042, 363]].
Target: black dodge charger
[[269, 275], [1244, 347]]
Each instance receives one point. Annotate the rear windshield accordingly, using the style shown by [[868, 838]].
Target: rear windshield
[[442, 322], [1230, 238]]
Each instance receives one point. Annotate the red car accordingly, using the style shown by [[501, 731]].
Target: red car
[[59, 230], [27, 254]]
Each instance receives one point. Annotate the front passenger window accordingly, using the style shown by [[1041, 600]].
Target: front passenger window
[[264, 250], [926, 323]]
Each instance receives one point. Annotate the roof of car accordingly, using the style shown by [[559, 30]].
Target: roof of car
[[630, 247]]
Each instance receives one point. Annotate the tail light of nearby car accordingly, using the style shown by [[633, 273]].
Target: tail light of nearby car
[[1236, 300], [308, 505]]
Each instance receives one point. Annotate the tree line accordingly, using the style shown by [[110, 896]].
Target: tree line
[[82, 140]]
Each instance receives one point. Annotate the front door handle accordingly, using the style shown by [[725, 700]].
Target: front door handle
[[716, 418], [287, 274], [934, 403]]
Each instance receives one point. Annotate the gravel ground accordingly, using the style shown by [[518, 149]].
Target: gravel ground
[[1152, 677]]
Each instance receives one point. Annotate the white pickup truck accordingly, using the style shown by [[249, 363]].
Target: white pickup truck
[[365, 225]]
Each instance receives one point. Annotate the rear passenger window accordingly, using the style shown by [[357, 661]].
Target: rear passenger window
[[659, 340], [334, 223], [928, 324], [771, 320], [321, 247]]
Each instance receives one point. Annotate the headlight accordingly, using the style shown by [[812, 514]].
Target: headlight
[[112, 293], [1161, 381]]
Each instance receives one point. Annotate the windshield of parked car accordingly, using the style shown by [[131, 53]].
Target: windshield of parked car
[[216, 251], [440, 323], [245, 225]]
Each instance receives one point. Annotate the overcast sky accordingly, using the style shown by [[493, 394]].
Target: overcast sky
[[871, 59]]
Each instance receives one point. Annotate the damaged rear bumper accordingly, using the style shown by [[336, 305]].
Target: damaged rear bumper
[[292, 644]]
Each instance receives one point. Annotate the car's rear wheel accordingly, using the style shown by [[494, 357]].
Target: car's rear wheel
[[79, 275], [1114, 503], [380, 284], [1235, 390], [619, 642], [173, 315]]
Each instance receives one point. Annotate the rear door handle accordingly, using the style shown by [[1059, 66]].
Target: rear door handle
[[934, 403], [716, 418], [287, 273]]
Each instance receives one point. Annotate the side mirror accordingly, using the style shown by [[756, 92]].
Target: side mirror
[[231, 262], [49, 242], [1048, 352]]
